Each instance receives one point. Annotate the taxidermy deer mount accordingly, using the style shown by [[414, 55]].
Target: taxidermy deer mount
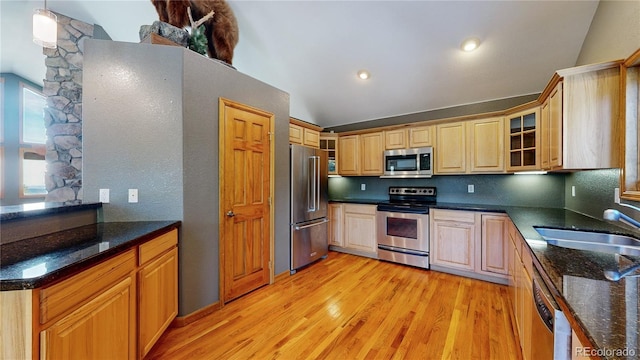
[[220, 24]]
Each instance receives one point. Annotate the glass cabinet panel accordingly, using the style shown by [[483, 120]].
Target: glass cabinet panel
[[523, 127]]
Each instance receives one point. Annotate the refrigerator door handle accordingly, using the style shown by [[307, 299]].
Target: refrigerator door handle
[[317, 164], [311, 190], [324, 221]]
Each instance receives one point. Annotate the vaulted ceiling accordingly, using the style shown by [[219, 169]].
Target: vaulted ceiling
[[313, 49]]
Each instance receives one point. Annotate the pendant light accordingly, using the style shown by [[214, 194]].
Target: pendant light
[[45, 27]]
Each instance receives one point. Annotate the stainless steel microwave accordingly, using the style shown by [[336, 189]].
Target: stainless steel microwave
[[408, 163]]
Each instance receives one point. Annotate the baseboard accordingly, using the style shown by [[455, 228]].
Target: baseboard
[[281, 276], [181, 321]]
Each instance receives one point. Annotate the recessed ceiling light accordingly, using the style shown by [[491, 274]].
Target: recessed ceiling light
[[470, 44], [364, 74]]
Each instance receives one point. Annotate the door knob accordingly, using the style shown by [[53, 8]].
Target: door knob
[[230, 213]]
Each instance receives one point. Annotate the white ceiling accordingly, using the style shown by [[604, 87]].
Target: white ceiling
[[313, 49]]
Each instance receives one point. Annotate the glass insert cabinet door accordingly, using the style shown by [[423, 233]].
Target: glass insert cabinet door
[[523, 140], [330, 145]]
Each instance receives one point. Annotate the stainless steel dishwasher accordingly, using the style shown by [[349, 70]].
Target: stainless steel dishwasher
[[550, 330]]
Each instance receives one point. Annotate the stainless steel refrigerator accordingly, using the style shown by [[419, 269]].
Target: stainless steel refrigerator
[[309, 223]]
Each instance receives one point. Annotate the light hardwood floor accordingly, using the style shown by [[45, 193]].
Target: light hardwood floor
[[350, 307]]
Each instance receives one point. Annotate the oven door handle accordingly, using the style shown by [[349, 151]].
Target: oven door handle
[[403, 251]]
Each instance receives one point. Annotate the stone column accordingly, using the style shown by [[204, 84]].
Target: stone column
[[63, 114]]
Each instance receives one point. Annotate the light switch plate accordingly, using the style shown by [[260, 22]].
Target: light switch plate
[[470, 188], [363, 187], [104, 196], [133, 195]]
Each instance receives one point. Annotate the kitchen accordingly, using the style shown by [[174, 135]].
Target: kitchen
[[453, 188]]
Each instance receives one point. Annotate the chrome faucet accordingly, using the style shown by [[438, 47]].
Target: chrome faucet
[[615, 215]]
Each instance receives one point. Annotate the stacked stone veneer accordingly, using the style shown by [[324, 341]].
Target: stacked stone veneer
[[63, 115]]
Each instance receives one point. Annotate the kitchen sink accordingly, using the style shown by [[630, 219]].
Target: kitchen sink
[[593, 241]]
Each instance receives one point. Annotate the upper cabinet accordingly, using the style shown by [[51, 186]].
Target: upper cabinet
[[361, 154], [475, 146], [329, 143], [303, 133], [411, 137], [450, 153], [581, 107], [486, 145], [630, 115], [522, 140]]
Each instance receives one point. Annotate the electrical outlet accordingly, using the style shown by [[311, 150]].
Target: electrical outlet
[[470, 188], [616, 195], [363, 187], [573, 190], [133, 195], [104, 196]]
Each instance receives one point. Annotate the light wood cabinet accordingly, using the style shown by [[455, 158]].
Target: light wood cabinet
[[421, 136], [336, 224], [523, 141], [360, 228], [116, 309], [486, 145], [520, 270], [157, 289], [450, 152], [372, 146], [494, 243], [361, 154], [305, 134], [396, 139], [581, 127], [453, 239], [630, 116], [471, 243], [101, 328], [296, 134], [329, 143], [349, 155]]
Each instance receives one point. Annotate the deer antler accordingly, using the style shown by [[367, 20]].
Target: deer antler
[[194, 25]]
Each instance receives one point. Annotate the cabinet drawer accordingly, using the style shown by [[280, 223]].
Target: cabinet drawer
[[360, 209], [157, 246], [70, 293], [453, 215]]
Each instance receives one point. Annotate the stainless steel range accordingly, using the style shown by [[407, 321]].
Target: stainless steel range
[[403, 225]]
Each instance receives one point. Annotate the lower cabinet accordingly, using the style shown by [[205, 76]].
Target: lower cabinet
[[521, 289], [356, 229], [117, 309], [470, 243], [101, 327], [157, 280], [336, 224]]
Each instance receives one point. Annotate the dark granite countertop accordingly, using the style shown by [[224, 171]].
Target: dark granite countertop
[[358, 201], [607, 311], [36, 262], [42, 208]]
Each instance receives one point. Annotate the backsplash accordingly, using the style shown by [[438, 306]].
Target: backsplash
[[595, 193], [513, 190]]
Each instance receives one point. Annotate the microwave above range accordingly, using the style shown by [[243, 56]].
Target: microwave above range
[[408, 163]]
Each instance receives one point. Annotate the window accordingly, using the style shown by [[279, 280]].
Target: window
[[32, 170], [32, 126], [33, 136]]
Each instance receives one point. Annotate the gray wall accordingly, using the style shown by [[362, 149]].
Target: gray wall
[[151, 123], [514, 190], [614, 32]]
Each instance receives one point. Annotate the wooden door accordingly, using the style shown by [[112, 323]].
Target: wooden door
[[246, 188], [395, 139], [360, 227], [544, 135], [452, 240], [420, 136]]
